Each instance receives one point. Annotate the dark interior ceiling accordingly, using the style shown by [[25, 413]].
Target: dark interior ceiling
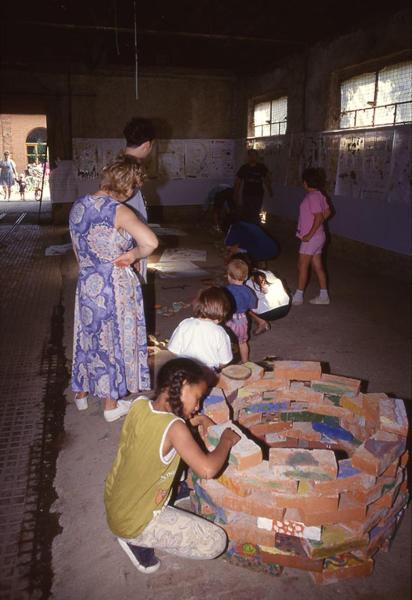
[[204, 34]]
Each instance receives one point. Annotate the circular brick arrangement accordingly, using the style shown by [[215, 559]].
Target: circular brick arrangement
[[318, 480]]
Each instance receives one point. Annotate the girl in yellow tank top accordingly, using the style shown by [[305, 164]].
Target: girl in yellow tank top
[[154, 438]]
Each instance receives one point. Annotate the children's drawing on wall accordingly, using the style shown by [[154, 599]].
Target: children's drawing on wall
[[197, 158], [376, 164], [85, 155], [350, 166], [221, 159], [171, 159], [400, 186]]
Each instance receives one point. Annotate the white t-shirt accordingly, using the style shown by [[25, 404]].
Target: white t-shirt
[[202, 340], [273, 294]]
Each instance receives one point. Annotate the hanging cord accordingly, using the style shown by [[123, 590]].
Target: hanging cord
[[136, 55], [116, 31]]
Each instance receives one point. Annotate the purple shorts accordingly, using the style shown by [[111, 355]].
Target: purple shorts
[[239, 325], [314, 245]]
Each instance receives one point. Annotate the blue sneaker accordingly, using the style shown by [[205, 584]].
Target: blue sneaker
[[182, 493], [144, 559]]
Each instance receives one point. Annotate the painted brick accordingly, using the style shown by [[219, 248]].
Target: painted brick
[[216, 407], [318, 465], [337, 539], [244, 454], [269, 427], [378, 452], [288, 559], [297, 370], [347, 383], [304, 431], [349, 479], [392, 416], [371, 405], [354, 404], [292, 524], [342, 567], [258, 478]]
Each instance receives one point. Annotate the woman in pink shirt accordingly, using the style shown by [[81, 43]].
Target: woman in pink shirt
[[313, 211]]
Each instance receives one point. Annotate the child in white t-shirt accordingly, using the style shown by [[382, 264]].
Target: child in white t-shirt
[[201, 337]]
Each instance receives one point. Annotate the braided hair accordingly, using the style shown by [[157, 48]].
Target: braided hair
[[173, 375]]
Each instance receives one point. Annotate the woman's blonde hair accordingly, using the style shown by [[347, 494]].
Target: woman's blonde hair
[[122, 176], [238, 269]]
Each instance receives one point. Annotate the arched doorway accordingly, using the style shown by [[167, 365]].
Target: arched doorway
[[36, 146]]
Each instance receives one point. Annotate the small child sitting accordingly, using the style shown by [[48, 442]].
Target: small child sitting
[[201, 337], [244, 300]]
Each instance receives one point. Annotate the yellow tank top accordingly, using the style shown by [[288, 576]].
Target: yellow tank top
[[140, 479]]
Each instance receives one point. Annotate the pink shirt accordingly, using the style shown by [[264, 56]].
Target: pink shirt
[[312, 203]]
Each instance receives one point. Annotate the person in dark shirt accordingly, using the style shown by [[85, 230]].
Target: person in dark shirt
[[250, 238], [252, 178]]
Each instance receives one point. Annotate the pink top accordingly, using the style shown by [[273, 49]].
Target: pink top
[[312, 203]]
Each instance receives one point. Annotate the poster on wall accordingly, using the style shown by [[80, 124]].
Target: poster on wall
[[350, 166], [171, 159], [377, 152], [400, 179], [197, 158]]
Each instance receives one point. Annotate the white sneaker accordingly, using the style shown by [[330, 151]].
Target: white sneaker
[[320, 300], [297, 300], [121, 410], [81, 403]]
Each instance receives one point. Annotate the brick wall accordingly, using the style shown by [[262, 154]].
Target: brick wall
[[14, 130]]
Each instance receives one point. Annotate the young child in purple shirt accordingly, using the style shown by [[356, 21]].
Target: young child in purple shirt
[[313, 211], [244, 299]]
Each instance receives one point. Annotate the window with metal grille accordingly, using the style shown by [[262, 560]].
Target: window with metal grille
[[382, 97], [270, 118]]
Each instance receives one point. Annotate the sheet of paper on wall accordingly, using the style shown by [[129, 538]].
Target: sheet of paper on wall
[[183, 254], [350, 166], [171, 159], [178, 269]]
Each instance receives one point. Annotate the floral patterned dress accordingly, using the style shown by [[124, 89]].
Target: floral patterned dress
[[110, 343]]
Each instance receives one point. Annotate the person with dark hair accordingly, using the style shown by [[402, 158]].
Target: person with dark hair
[[313, 211], [273, 300], [139, 134], [154, 438], [251, 179], [201, 337], [109, 346]]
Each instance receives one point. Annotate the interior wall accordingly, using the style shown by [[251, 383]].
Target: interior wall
[[311, 81]]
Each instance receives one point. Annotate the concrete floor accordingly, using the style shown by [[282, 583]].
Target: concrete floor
[[359, 335], [364, 333]]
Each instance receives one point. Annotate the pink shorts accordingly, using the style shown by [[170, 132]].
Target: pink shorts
[[313, 246], [239, 325]]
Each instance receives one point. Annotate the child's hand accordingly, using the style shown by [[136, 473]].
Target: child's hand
[[305, 238], [230, 436], [203, 422]]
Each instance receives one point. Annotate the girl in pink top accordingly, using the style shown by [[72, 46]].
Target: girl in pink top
[[313, 211]]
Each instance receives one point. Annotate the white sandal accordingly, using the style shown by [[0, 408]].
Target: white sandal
[[81, 403]]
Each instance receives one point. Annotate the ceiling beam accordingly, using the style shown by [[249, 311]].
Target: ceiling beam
[[206, 36]]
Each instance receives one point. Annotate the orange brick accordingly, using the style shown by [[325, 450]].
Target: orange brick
[[248, 420], [371, 405], [404, 459], [270, 427], [295, 370], [242, 528], [349, 510], [303, 430]]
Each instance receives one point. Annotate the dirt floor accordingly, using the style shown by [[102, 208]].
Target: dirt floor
[[364, 333]]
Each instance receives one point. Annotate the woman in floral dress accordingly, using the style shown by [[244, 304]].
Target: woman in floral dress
[[110, 344]]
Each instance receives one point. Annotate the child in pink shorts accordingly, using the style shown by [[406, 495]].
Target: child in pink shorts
[[244, 299], [313, 211]]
